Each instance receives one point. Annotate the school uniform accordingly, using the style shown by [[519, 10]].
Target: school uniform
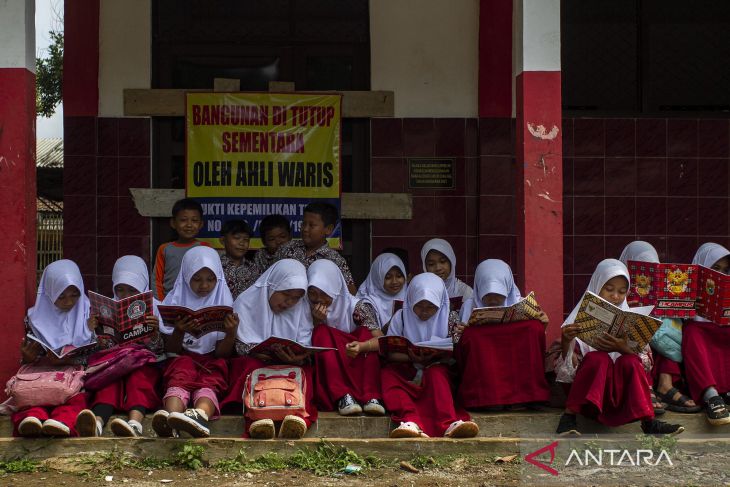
[[373, 287], [502, 363], [455, 287], [239, 277], [349, 319]]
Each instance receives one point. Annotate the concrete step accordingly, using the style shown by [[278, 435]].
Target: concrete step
[[512, 424]]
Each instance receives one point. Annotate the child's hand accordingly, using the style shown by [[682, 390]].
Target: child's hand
[[543, 317], [353, 349], [185, 324], [610, 343], [319, 312], [92, 322], [230, 324], [287, 356], [29, 351], [570, 331], [459, 328], [152, 321]]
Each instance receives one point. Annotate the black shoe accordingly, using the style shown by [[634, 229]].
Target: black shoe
[[716, 411], [191, 422], [347, 406], [568, 425], [374, 407], [656, 427]]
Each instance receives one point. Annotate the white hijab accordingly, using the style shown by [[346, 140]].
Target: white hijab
[[605, 271], [406, 323], [327, 277], [57, 328], [132, 271], [491, 276], [454, 286], [373, 287], [258, 322], [194, 260], [640, 251], [706, 256]]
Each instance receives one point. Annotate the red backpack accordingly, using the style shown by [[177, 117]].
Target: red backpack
[[274, 392], [108, 366]]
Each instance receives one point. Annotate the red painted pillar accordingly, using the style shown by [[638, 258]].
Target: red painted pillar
[[539, 154], [17, 177]]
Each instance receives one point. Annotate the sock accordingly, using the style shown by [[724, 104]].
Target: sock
[[136, 425], [202, 413], [710, 392], [103, 411], [99, 426]]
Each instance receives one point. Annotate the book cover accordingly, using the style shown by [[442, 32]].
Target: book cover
[[64, 351], [268, 346], [670, 288], [122, 319], [209, 319], [713, 302], [397, 344], [597, 316], [523, 310]]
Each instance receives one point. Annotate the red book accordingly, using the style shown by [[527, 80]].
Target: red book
[[713, 302], [209, 319], [670, 288], [442, 350], [122, 319]]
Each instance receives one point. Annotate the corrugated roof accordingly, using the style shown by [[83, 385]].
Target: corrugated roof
[[48, 205], [49, 152]]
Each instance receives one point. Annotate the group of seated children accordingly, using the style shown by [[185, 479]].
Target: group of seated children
[[302, 291]]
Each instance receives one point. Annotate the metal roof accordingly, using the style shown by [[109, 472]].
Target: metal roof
[[49, 153]]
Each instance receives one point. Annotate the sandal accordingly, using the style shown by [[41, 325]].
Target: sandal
[[677, 405], [659, 407]]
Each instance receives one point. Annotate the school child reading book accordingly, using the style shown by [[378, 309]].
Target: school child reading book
[[59, 318], [608, 384], [706, 348], [273, 307], [384, 286], [239, 271], [319, 221], [136, 393], [499, 363], [668, 384], [417, 390], [402, 254], [187, 221], [275, 231], [196, 376], [439, 258], [347, 378]]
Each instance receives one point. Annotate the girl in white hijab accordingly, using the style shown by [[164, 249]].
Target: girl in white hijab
[[385, 284], [273, 307], [427, 409], [706, 348], [59, 318], [348, 378], [640, 251], [609, 384], [439, 258], [197, 375]]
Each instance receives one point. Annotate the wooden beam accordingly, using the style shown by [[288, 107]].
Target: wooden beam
[[282, 86], [171, 103], [157, 203], [226, 85]]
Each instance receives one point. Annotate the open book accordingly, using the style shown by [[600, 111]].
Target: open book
[[713, 302], [122, 319], [597, 316], [209, 319], [670, 288], [397, 344], [523, 310], [66, 350], [267, 347]]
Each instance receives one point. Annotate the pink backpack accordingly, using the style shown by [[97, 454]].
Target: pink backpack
[[108, 366], [274, 392], [44, 385]]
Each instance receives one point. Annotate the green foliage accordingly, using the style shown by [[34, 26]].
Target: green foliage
[[49, 77], [658, 443], [423, 462], [18, 466], [190, 457], [328, 459]]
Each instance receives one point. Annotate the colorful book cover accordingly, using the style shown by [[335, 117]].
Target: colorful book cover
[[268, 347], [122, 319], [208, 319], [64, 351], [670, 288], [523, 310], [597, 316], [397, 344], [713, 302]]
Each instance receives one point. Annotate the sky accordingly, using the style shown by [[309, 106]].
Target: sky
[[48, 15]]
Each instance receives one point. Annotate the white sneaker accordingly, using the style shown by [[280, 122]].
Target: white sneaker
[[408, 430], [374, 408], [462, 429], [292, 428], [193, 421], [87, 424], [51, 427], [30, 426], [159, 424], [348, 406], [263, 429], [125, 429]]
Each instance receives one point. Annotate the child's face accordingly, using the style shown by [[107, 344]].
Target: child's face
[[317, 296], [493, 299], [394, 281], [615, 289], [425, 309], [275, 238], [438, 263], [68, 298], [124, 291], [283, 300], [722, 265], [203, 282], [187, 224], [235, 244], [314, 231]]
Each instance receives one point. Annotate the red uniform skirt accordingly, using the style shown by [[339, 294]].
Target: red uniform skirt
[[612, 393], [65, 413], [139, 388], [502, 364], [337, 374], [706, 355], [193, 371], [430, 405]]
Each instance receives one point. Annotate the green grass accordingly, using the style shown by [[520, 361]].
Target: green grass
[[190, 457], [19, 466]]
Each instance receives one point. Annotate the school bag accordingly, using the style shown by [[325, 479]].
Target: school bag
[[44, 385], [668, 339], [108, 366], [274, 392]]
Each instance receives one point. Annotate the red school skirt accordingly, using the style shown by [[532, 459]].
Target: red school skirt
[[65, 413], [138, 388], [192, 371], [706, 355]]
